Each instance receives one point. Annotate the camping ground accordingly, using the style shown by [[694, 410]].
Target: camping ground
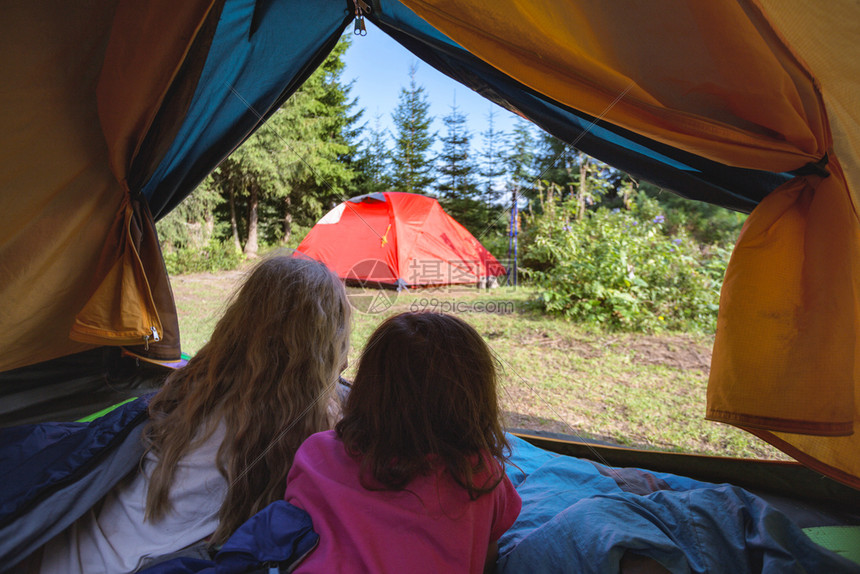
[[642, 390]]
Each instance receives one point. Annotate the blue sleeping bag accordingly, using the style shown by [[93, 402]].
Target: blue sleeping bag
[[579, 516], [52, 473]]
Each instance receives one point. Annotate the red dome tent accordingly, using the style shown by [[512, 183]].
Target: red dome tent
[[398, 239]]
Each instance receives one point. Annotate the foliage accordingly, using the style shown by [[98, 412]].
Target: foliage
[[707, 223], [324, 145], [192, 223], [457, 184], [520, 161], [215, 256], [619, 268], [411, 161], [372, 164], [298, 164], [497, 244], [566, 172], [492, 170]]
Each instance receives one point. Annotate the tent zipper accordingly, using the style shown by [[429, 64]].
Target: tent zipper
[[155, 338], [361, 8]]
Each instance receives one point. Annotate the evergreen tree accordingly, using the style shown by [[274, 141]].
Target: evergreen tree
[[457, 185], [372, 162], [556, 162], [325, 145], [411, 161], [520, 162], [456, 169], [298, 163], [492, 169], [192, 223], [521, 183]]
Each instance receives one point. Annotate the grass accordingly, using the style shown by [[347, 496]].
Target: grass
[[642, 390]]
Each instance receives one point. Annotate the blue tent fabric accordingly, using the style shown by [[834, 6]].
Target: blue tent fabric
[[249, 72], [579, 516], [52, 473]]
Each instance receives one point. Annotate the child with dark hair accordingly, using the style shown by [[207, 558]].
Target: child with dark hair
[[412, 478]]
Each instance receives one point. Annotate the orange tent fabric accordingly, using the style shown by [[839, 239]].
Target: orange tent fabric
[[74, 222], [717, 80]]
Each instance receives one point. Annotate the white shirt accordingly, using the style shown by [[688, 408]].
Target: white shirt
[[116, 539]]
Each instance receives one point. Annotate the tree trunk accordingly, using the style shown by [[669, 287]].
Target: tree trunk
[[253, 203], [288, 218], [567, 168], [583, 185], [233, 225], [208, 226]]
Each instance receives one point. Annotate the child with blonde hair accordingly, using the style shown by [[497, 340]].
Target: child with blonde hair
[[224, 429]]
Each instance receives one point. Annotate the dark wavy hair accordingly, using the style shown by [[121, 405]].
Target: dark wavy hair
[[424, 395], [267, 374]]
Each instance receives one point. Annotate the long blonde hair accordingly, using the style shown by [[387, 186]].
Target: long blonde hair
[[267, 375]]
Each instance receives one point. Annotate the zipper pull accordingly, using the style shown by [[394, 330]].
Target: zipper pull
[[361, 8], [155, 338]]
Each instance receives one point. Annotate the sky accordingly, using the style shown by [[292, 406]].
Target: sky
[[379, 68]]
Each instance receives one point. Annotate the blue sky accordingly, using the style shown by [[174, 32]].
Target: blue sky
[[379, 68]]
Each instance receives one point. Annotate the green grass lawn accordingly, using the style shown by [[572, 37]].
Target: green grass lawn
[[643, 390]]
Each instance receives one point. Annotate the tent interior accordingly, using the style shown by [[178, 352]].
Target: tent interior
[[112, 111]]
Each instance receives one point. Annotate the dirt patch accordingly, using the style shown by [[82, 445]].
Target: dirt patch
[[671, 351], [542, 339]]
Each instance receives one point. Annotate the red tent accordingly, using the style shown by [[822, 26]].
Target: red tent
[[400, 239]]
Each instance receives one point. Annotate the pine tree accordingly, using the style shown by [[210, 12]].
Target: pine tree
[[373, 164], [192, 223], [521, 183], [297, 164], [456, 168], [520, 161], [492, 169], [411, 161], [325, 146], [457, 185]]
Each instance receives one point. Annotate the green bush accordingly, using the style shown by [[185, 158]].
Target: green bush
[[215, 256], [496, 243], [620, 269]]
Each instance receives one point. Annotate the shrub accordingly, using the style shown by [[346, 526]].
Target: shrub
[[215, 256], [620, 269]]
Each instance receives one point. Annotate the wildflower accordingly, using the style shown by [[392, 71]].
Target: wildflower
[[615, 210], [659, 219], [677, 241], [660, 318], [635, 222]]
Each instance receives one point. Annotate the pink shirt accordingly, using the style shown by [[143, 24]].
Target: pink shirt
[[431, 526]]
